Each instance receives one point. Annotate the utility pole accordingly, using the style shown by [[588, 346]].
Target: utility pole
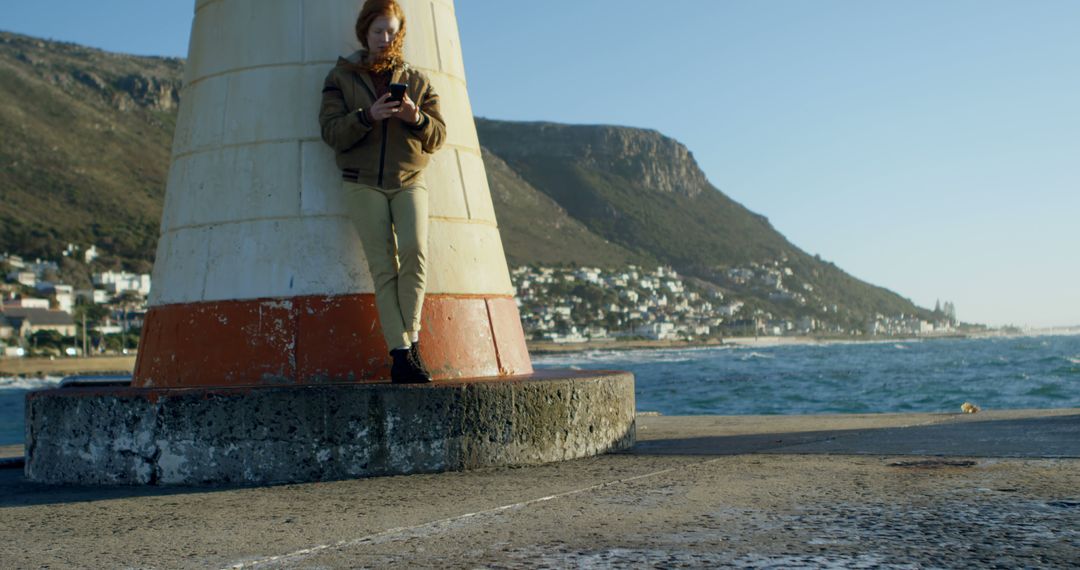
[[84, 345]]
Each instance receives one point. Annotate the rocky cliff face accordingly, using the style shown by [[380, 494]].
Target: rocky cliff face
[[636, 188], [125, 82], [668, 166], [159, 93]]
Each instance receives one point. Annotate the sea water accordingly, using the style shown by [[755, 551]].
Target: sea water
[[858, 377], [12, 404]]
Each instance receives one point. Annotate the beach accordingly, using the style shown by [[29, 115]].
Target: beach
[[40, 367]]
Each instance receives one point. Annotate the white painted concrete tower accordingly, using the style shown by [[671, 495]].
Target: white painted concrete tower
[[259, 276]]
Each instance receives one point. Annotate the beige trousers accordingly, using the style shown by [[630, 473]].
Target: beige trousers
[[393, 227]]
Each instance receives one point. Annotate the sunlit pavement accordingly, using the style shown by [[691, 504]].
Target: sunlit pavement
[[888, 490]]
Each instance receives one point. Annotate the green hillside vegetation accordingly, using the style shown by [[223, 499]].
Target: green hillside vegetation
[[535, 229], [85, 151]]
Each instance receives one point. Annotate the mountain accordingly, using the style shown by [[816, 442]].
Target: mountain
[[85, 147], [85, 154], [644, 191], [636, 188]]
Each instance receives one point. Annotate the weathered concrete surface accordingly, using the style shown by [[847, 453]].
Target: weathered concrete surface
[[1004, 433], [263, 435], [752, 491]]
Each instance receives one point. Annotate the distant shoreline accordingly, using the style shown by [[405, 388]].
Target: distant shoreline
[[39, 367], [67, 366], [547, 347]]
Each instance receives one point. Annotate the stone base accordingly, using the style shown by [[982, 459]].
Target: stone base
[[264, 435]]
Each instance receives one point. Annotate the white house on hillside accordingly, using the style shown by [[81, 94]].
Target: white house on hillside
[[116, 282]]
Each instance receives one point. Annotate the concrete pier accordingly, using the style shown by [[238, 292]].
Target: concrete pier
[[998, 488], [266, 435]]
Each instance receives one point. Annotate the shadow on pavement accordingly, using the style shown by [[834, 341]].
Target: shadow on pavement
[[1039, 437], [16, 491]]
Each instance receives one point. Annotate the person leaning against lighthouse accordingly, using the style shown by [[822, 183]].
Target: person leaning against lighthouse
[[382, 119]]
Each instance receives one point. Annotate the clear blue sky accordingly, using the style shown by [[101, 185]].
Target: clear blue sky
[[928, 146]]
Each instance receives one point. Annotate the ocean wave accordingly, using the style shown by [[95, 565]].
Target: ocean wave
[[754, 355], [635, 356], [1051, 391], [900, 347], [12, 383], [1073, 359]]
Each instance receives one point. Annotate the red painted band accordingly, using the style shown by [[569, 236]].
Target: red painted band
[[317, 339]]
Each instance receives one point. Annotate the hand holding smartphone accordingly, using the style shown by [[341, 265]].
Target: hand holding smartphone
[[397, 92]]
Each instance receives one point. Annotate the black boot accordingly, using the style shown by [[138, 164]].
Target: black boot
[[404, 369], [417, 362], [399, 370]]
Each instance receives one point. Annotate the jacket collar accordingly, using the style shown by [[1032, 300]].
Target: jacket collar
[[358, 56]]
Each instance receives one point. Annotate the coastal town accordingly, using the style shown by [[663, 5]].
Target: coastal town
[[580, 304], [43, 316]]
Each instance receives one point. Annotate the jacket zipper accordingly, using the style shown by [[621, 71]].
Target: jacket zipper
[[382, 152], [382, 144]]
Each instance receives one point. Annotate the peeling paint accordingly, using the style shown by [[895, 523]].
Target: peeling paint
[[279, 304], [309, 338]]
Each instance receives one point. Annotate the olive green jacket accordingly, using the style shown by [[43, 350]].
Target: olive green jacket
[[388, 153]]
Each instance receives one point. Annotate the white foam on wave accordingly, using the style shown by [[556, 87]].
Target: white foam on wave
[[590, 358], [1074, 359], [900, 347], [13, 383], [754, 355]]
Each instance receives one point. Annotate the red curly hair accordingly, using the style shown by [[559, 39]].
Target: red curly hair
[[392, 57]]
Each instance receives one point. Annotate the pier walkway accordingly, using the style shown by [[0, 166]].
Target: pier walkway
[[851, 491]]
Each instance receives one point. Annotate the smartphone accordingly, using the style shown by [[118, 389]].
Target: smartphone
[[397, 92]]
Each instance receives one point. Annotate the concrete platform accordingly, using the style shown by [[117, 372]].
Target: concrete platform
[[999, 488], [304, 432]]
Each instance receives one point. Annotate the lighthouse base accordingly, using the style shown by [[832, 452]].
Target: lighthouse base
[[265, 435]]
